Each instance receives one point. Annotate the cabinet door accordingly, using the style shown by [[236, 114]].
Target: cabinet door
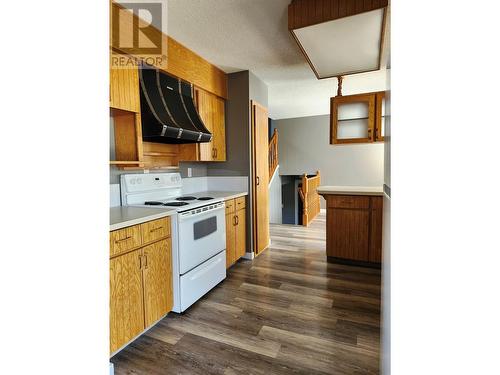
[[124, 89], [375, 254], [380, 116], [241, 233], [352, 119], [219, 129], [211, 109], [348, 233], [126, 307], [157, 273], [230, 239]]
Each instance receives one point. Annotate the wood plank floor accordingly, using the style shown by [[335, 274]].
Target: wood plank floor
[[286, 312]]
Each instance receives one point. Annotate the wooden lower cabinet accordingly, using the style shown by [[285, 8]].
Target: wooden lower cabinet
[[140, 284], [235, 230], [241, 233], [157, 275], [230, 240], [125, 292], [354, 228], [347, 234]]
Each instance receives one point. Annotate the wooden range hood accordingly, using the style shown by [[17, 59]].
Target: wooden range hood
[[339, 37]]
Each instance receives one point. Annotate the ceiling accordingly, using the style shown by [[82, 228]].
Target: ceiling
[[253, 35]]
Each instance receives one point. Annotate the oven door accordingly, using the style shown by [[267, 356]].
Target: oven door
[[201, 236]]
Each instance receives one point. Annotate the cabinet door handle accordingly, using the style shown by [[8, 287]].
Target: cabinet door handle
[[237, 220], [216, 152], [140, 262], [257, 180], [146, 264], [123, 239]]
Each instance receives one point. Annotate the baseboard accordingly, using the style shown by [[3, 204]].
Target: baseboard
[[350, 262], [249, 256]]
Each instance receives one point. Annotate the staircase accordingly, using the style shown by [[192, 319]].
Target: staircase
[[273, 154], [309, 197]]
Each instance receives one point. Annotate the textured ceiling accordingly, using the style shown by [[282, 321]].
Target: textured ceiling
[[252, 35]]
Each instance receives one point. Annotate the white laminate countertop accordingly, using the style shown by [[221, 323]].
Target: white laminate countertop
[[123, 216], [351, 190], [223, 194]]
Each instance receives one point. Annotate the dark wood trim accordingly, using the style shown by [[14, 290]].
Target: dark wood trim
[[302, 13], [350, 262]]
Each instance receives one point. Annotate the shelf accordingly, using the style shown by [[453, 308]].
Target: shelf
[[117, 162], [354, 119]]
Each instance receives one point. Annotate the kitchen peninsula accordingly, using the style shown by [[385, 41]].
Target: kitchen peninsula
[[354, 223]]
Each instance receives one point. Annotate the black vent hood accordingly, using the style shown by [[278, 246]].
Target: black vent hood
[[168, 112]]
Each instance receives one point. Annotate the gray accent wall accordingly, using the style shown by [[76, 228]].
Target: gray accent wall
[[242, 88], [304, 147]]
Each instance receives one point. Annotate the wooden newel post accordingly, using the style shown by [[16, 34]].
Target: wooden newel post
[[339, 87]]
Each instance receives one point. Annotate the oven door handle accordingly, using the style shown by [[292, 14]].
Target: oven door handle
[[188, 216]]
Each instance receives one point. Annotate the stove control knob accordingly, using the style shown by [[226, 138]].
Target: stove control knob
[[139, 181], [132, 181]]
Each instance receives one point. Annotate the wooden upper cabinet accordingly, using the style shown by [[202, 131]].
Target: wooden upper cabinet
[[212, 111], [124, 89], [380, 116], [356, 118], [126, 318], [158, 295]]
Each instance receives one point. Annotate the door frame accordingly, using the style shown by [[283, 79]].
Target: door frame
[[253, 183]]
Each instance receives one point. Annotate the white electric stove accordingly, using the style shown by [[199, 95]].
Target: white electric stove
[[198, 232]]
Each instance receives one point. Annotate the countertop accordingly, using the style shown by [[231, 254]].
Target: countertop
[[350, 190], [123, 216], [223, 194]]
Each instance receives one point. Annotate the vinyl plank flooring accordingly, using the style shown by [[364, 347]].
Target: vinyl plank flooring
[[288, 311]]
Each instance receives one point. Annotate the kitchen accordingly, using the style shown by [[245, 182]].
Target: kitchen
[[195, 154], [211, 194]]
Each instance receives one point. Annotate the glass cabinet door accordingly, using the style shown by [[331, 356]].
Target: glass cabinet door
[[352, 119], [380, 116]]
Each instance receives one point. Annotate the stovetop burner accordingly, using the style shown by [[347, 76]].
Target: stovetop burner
[[176, 204], [188, 198], [205, 198], [153, 203]]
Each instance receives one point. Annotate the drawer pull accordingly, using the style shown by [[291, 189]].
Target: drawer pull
[[155, 229], [123, 239]]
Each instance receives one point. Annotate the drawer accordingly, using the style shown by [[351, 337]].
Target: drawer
[[155, 230], [229, 206], [240, 203], [348, 201], [125, 239]]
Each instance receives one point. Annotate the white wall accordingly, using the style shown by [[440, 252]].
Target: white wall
[[275, 205], [304, 148], [308, 96]]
